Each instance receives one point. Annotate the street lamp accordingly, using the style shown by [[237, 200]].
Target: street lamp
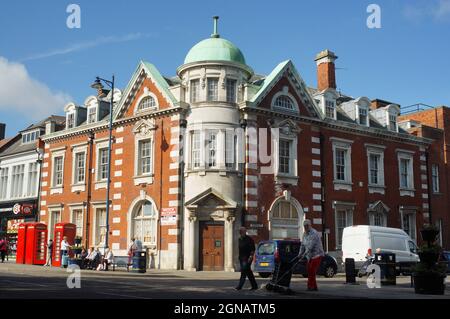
[[99, 86]]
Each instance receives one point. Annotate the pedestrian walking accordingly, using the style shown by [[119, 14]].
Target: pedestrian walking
[[49, 253], [246, 252], [3, 248], [131, 249], [311, 249]]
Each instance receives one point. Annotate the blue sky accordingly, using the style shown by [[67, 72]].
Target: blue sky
[[43, 63]]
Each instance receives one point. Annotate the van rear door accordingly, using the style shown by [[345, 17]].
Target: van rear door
[[355, 245]]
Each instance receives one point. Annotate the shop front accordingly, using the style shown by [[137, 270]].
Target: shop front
[[12, 214]]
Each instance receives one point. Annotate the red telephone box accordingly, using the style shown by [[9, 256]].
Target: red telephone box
[[36, 244], [62, 229], [21, 243]]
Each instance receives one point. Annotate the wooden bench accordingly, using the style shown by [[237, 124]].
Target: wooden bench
[[120, 261]]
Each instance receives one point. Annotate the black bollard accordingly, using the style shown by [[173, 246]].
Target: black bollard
[[350, 272]]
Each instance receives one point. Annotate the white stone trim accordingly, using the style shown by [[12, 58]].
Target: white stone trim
[[117, 196], [316, 173], [316, 162], [315, 151], [116, 220], [118, 162], [315, 140], [117, 207], [117, 184], [118, 151], [317, 208], [317, 185], [119, 140], [119, 129], [317, 197]]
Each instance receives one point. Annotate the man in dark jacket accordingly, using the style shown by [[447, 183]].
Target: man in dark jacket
[[246, 252]]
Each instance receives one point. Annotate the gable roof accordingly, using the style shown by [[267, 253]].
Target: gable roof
[[302, 90], [149, 70], [198, 199]]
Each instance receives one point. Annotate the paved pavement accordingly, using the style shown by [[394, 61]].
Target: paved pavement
[[24, 281]]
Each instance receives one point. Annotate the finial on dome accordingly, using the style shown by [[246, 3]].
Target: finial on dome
[[215, 34]]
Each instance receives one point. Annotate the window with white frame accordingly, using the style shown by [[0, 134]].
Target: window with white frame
[[80, 168], [330, 109], [195, 149], [376, 168], [102, 164], [100, 226], [284, 221], [409, 223], [284, 102], [77, 219], [213, 89], [378, 219], [145, 157], [344, 218], [231, 90], [195, 90], [32, 179], [406, 171], [17, 177], [284, 156], [55, 216], [147, 102], [230, 148], [144, 223], [363, 118], [212, 151], [435, 177], [71, 120], [92, 114], [30, 137], [393, 122], [3, 182], [58, 163]]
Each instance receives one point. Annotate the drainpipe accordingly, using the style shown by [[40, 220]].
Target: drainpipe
[[430, 185], [160, 195], [89, 190], [243, 123], [322, 182], [181, 141], [38, 206]]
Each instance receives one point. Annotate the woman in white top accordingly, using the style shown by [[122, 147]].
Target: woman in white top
[[107, 259]]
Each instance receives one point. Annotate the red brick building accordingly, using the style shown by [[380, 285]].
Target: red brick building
[[197, 155]]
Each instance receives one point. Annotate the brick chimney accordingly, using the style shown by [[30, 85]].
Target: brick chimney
[[377, 103], [326, 75]]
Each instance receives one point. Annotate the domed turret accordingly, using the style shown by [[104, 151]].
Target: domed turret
[[215, 49]]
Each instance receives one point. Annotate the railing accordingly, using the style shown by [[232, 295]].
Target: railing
[[418, 107]]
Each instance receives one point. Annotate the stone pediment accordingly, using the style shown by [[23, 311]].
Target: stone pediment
[[212, 200], [378, 207], [144, 127]]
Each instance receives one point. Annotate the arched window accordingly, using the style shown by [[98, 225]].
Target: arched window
[[284, 221], [284, 102], [147, 103], [144, 223]]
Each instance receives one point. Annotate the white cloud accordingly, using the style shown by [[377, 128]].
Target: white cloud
[[19, 92], [437, 10], [442, 9], [87, 45]]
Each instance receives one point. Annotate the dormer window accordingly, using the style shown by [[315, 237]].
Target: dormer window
[[92, 114], [70, 120], [30, 137], [363, 119], [147, 102], [283, 101], [393, 122], [330, 109]]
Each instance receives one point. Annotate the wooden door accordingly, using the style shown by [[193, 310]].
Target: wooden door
[[211, 246]]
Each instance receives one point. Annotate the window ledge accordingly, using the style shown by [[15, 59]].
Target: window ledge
[[342, 185], [380, 189], [143, 179], [407, 192], [78, 188], [100, 184], [286, 179], [56, 190]]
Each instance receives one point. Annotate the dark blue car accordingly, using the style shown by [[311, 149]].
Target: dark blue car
[[269, 252]]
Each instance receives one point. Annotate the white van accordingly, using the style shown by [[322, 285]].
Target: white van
[[360, 241]]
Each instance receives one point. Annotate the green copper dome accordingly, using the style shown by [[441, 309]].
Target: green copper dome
[[214, 49]]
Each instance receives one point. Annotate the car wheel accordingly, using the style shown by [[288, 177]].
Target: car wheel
[[330, 272], [264, 274]]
